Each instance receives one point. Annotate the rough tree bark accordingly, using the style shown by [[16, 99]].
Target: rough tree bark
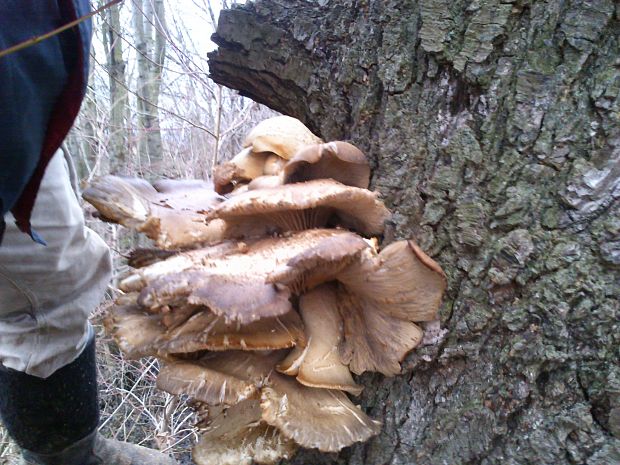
[[494, 132], [149, 28], [117, 82]]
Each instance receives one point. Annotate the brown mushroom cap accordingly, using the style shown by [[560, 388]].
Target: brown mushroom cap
[[340, 161], [173, 217], [317, 418], [381, 296], [134, 330], [218, 378], [233, 285], [300, 206], [321, 366], [319, 264], [281, 135], [205, 331], [141, 334], [237, 436], [402, 279]]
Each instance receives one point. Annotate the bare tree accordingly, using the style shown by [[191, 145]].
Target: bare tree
[[113, 46], [151, 52]]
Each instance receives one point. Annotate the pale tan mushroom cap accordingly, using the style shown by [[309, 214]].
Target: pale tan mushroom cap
[[134, 330], [173, 215], [316, 418], [120, 200], [404, 281], [305, 205], [321, 366], [237, 436], [281, 135], [242, 168], [340, 161], [218, 378]]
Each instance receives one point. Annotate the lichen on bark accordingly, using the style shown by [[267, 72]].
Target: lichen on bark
[[494, 133]]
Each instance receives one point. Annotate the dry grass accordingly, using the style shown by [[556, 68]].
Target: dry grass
[[132, 409]]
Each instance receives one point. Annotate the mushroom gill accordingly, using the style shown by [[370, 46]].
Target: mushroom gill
[[139, 333], [404, 281], [373, 339], [311, 204], [238, 436], [321, 366], [218, 378], [324, 419]]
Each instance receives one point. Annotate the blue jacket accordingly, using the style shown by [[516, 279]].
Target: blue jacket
[[41, 89]]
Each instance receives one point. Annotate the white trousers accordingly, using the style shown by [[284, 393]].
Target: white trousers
[[48, 292]]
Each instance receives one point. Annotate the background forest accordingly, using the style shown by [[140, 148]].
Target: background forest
[[150, 111]]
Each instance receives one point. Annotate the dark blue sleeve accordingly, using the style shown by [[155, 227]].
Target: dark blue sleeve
[[31, 82]]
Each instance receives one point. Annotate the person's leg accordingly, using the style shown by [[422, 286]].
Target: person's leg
[[48, 389], [47, 292]]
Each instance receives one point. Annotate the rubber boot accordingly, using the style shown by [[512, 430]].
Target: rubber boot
[[54, 420]]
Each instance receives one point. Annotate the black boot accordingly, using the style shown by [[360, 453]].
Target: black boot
[[54, 420]]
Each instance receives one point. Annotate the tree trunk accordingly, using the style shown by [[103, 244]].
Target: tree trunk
[[493, 127], [151, 51], [113, 46]]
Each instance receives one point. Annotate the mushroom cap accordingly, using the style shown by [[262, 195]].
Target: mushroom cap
[[237, 436], [172, 213], [340, 161], [281, 135], [316, 418], [195, 329], [231, 283], [319, 264], [139, 278], [321, 366], [206, 331], [264, 182], [218, 378], [311, 204], [134, 330], [142, 256], [402, 279], [274, 164], [242, 168], [121, 200]]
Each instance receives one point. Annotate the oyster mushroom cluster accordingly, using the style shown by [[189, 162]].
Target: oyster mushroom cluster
[[268, 291]]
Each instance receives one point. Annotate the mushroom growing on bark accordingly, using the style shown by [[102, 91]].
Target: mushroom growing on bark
[[267, 148], [283, 295], [172, 213]]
